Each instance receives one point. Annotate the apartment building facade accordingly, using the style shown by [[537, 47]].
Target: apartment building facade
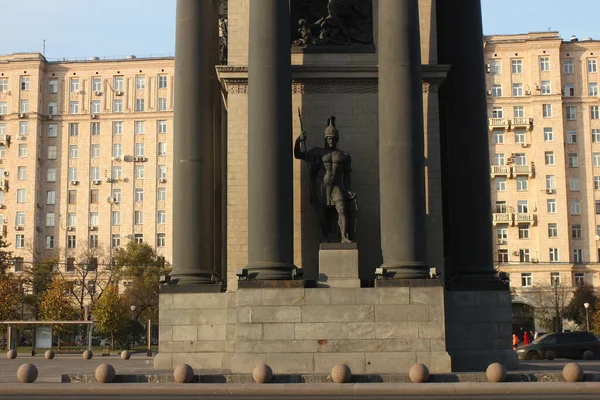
[[86, 155], [544, 135]]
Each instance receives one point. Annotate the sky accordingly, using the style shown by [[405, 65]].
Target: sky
[[116, 28]]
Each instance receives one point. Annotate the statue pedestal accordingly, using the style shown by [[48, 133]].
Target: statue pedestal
[[338, 265]]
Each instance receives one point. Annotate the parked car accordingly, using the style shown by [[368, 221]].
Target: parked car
[[574, 345]]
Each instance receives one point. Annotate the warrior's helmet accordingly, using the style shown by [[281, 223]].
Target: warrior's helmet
[[331, 130]]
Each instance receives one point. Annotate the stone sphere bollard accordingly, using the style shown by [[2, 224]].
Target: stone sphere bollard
[[572, 372], [87, 355], [262, 373], [183, 373], [341, 373], [125, 355], [49, 355], [418, 373], [11, 354], [105, 373], [550, 355], [495, 373], [27, 373]]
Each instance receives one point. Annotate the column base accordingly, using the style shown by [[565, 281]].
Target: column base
[[405, 270], [191, 276], [270, 271]]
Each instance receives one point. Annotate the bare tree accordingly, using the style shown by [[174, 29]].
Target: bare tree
[[550, 305]]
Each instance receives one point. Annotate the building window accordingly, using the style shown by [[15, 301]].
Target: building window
[[21, 195], [95, 151], [20, 241], [115, 241], [116, 218], [577, 256], [517, 89], [18, 263], [140, 82], [161, 217], [116, 194], [93, 241], [522, 183], [96, 84], [95, 173], [22, 150], [526, 279], [117, 127], [596, 135], [571, 137], [161, 240], [502, 256], [162, 104], [139, 127], [549, 157], [576, 231], [573, 160], [24, 83], [552, 208], [518, 112], [592, 66], [502, 232], [52, 130], [74, 107], [50, 219], [597, 206], [93, 219], [3, 84], [499, 137], [138, 238], [568, 67], [118, 106], [552, 230], [73, 129], [596, 182], [73, 151], [595, 112], [3, 108], [575, 207], [20, 218], [162, 81], [52, 108], [72, 173], [96, 108], [71, 241], [544, 63], [74, 85], [596, 159], [161, 194], [49, 242], [118, 83], [162, 149], [22, 173], [23, 128], [51, 176], [554, 278], [520, 137], [554, 255], [579, 279], [568, 90], [139, 149], [138, 217], [162, 171], [571, 113], [53, 86], [139, 104], [162, 126], [500, 184], [70, 264], [547, 110], [138, 171], [139, 194], [117, 150], [496, 90], [24, 106], [94, 196], [71, 219], [496, 67], [523, 231], [546, 88], [574, 184], [524, 256], [548, 135], [51, 197], [517, 66], [593, 89], [95, 128]]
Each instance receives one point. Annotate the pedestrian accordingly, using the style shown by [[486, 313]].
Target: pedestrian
[[515, 341], [525, 338]]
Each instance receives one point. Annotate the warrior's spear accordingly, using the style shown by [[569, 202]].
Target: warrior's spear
[[305, 151]]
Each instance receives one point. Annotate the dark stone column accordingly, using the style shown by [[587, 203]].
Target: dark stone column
[[270, 189], [465, 151], [401, 141], [193, 167]]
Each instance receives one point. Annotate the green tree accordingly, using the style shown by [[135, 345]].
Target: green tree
[[111, 313], [38, 276], [575, 311], [57, 305], [140, 266], [595, 318]]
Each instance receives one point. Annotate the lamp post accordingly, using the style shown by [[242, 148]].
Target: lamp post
[[132, 308], [587, 318]]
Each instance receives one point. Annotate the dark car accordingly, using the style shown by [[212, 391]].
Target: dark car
[[574, 345]]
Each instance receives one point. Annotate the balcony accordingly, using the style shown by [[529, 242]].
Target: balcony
[[528, 170], [522, 123], [502, 218], [500, 170], [524, 218], [498, 123]]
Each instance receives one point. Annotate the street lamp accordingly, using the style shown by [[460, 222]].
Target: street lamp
[[132, 308], [587, 318]]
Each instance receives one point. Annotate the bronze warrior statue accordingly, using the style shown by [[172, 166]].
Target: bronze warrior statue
[[330, 172]]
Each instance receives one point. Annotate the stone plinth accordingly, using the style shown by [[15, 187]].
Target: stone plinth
[[338, 265], [479, 330]]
